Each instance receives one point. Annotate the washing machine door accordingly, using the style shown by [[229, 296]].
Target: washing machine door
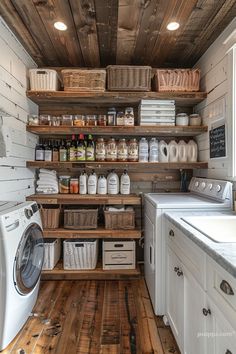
[[29, 259]]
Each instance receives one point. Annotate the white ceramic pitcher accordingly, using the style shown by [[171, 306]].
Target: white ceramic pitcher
[[183, 153], [192, 151], [163, 151], [173, 151]]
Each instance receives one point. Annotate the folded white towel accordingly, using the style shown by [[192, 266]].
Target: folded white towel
[[49, 179], [49, 172], [48, 190], [47, 184]]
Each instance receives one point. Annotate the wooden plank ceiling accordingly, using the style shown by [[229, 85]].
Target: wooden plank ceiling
[[103, 32]]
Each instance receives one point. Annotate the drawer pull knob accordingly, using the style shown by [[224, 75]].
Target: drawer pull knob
[[180, 273], [176, 269], [228, 352], [226, 288], [171, 233], [206, 312]]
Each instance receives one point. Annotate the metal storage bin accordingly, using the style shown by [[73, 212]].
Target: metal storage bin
[[80, 254], [52, 253]]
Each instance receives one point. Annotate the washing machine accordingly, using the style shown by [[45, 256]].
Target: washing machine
[[21, 260]]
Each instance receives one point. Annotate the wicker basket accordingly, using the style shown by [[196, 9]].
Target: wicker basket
[[50, 217], [129, 78], [81, 219], [177, 80], [119, 219], [80, 254], [82, 80]]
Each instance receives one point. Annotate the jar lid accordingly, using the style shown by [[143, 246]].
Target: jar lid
[[194, 115], [182, 115]]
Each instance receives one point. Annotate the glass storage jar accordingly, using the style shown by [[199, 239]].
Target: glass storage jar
[[111, 150], [79, 120], [133, 150], [122, 150], [195, 119], [102, 120], [182, 119], [100, 150], [67, 119], [91, 120]]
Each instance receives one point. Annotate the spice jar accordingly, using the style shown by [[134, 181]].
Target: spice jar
[[64, 184], [44, 119], [91, 120], [120, 118], [33, 119], [74, 186], [195, 119], [111, 150], [182, 119], [79, 120], [102, 120], [111, 116], [129, 116], [122, 150], [133, 150], [55, 121], [100, 150], [67, 119]]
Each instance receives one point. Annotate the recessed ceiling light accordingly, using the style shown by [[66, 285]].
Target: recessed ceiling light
[[172, 26], [60, 26]]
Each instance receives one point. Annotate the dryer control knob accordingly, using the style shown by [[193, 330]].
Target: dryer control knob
[[218, 188], [28, 213]]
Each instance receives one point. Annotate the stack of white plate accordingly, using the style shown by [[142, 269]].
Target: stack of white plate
[[157, 112]]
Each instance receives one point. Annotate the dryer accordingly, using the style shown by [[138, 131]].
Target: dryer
[[21, 260]]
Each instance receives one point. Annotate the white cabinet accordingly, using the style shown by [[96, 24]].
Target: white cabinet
[[149, 257], [175, 291]]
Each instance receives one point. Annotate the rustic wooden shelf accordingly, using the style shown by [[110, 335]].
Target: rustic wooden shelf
[[93, 98], [95, 274], [131, 199], [141, 166], [116, 131], [98, 233]]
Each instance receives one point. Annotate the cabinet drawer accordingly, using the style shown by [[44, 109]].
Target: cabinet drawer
[[190, 254], [118, 260], [118, 245], [221, 287]]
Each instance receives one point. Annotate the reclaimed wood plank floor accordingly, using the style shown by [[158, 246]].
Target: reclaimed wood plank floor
[[93, 317]]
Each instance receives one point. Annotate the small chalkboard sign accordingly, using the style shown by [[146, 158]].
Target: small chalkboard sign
[[217, 142]]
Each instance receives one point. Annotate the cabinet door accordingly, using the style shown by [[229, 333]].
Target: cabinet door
[[149, 260], [194, 319], [175, 296], [221, 337]]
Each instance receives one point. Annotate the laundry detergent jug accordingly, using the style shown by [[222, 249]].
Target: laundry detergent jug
[[163, 151], [173, 151], [182, 150], [192, 151]]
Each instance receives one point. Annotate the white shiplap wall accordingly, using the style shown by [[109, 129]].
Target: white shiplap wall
[[216, 73], [16, 145]]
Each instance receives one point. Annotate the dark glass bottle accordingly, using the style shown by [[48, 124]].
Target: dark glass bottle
[[63, 151], [73, 149], [48, 151], [81, 148]]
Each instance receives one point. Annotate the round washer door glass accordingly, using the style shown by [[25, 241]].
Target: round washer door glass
[[29, 259]]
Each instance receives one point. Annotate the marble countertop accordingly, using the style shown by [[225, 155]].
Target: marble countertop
[[223, 253]]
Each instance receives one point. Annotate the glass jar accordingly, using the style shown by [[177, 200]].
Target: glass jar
[[44, 119], [122, 150], [91, 120], [129, 116], [74, 186], [79, 120], [55, 121], [33, 119], [64, 184], [111, 150], [100, 150], [182, 119], [67, 119], [111, 116], [102, 120], [133, 150], [120, 118], [195, 119]]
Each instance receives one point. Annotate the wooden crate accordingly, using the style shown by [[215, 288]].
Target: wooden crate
[[118, 254], [128, 78], [50, 217], [84, 80], [177, 80], [119, 219], [80, 219]]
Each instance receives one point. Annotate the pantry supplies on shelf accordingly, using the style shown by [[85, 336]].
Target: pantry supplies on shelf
[[153, 150], [125, 183], [47, 182], [178, 152], [113, 183], [92, 183], [143, 150], [156, 112]]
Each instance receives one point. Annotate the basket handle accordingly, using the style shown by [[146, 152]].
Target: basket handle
[[41, 72]]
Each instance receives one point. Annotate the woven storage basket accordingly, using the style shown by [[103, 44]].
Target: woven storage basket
[[50, 217], [44, 80], [128, 78], [81, 219], [119, 219], [84, 80], [80, 254], [177, 80]]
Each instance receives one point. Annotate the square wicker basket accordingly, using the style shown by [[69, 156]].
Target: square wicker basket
[[187, 80], [50, 217], [119, 219], [84, 80], [129, 78], [80, 219]]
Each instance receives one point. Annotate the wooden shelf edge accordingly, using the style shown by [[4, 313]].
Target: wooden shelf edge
[[97, 233], [131, 199], [58, 273]]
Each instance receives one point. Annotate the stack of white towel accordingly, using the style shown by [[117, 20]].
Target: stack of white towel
[[47, 182]]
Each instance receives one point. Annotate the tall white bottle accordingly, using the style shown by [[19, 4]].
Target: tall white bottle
[[153, 150], [92, 183], [125, 183], [112, 183], [83, 178], [143, 150], [102, 185]]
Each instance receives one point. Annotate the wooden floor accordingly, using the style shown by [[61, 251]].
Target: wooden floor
[[93, 317]]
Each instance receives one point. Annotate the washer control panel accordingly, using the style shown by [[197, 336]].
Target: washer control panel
[[211, 188]]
